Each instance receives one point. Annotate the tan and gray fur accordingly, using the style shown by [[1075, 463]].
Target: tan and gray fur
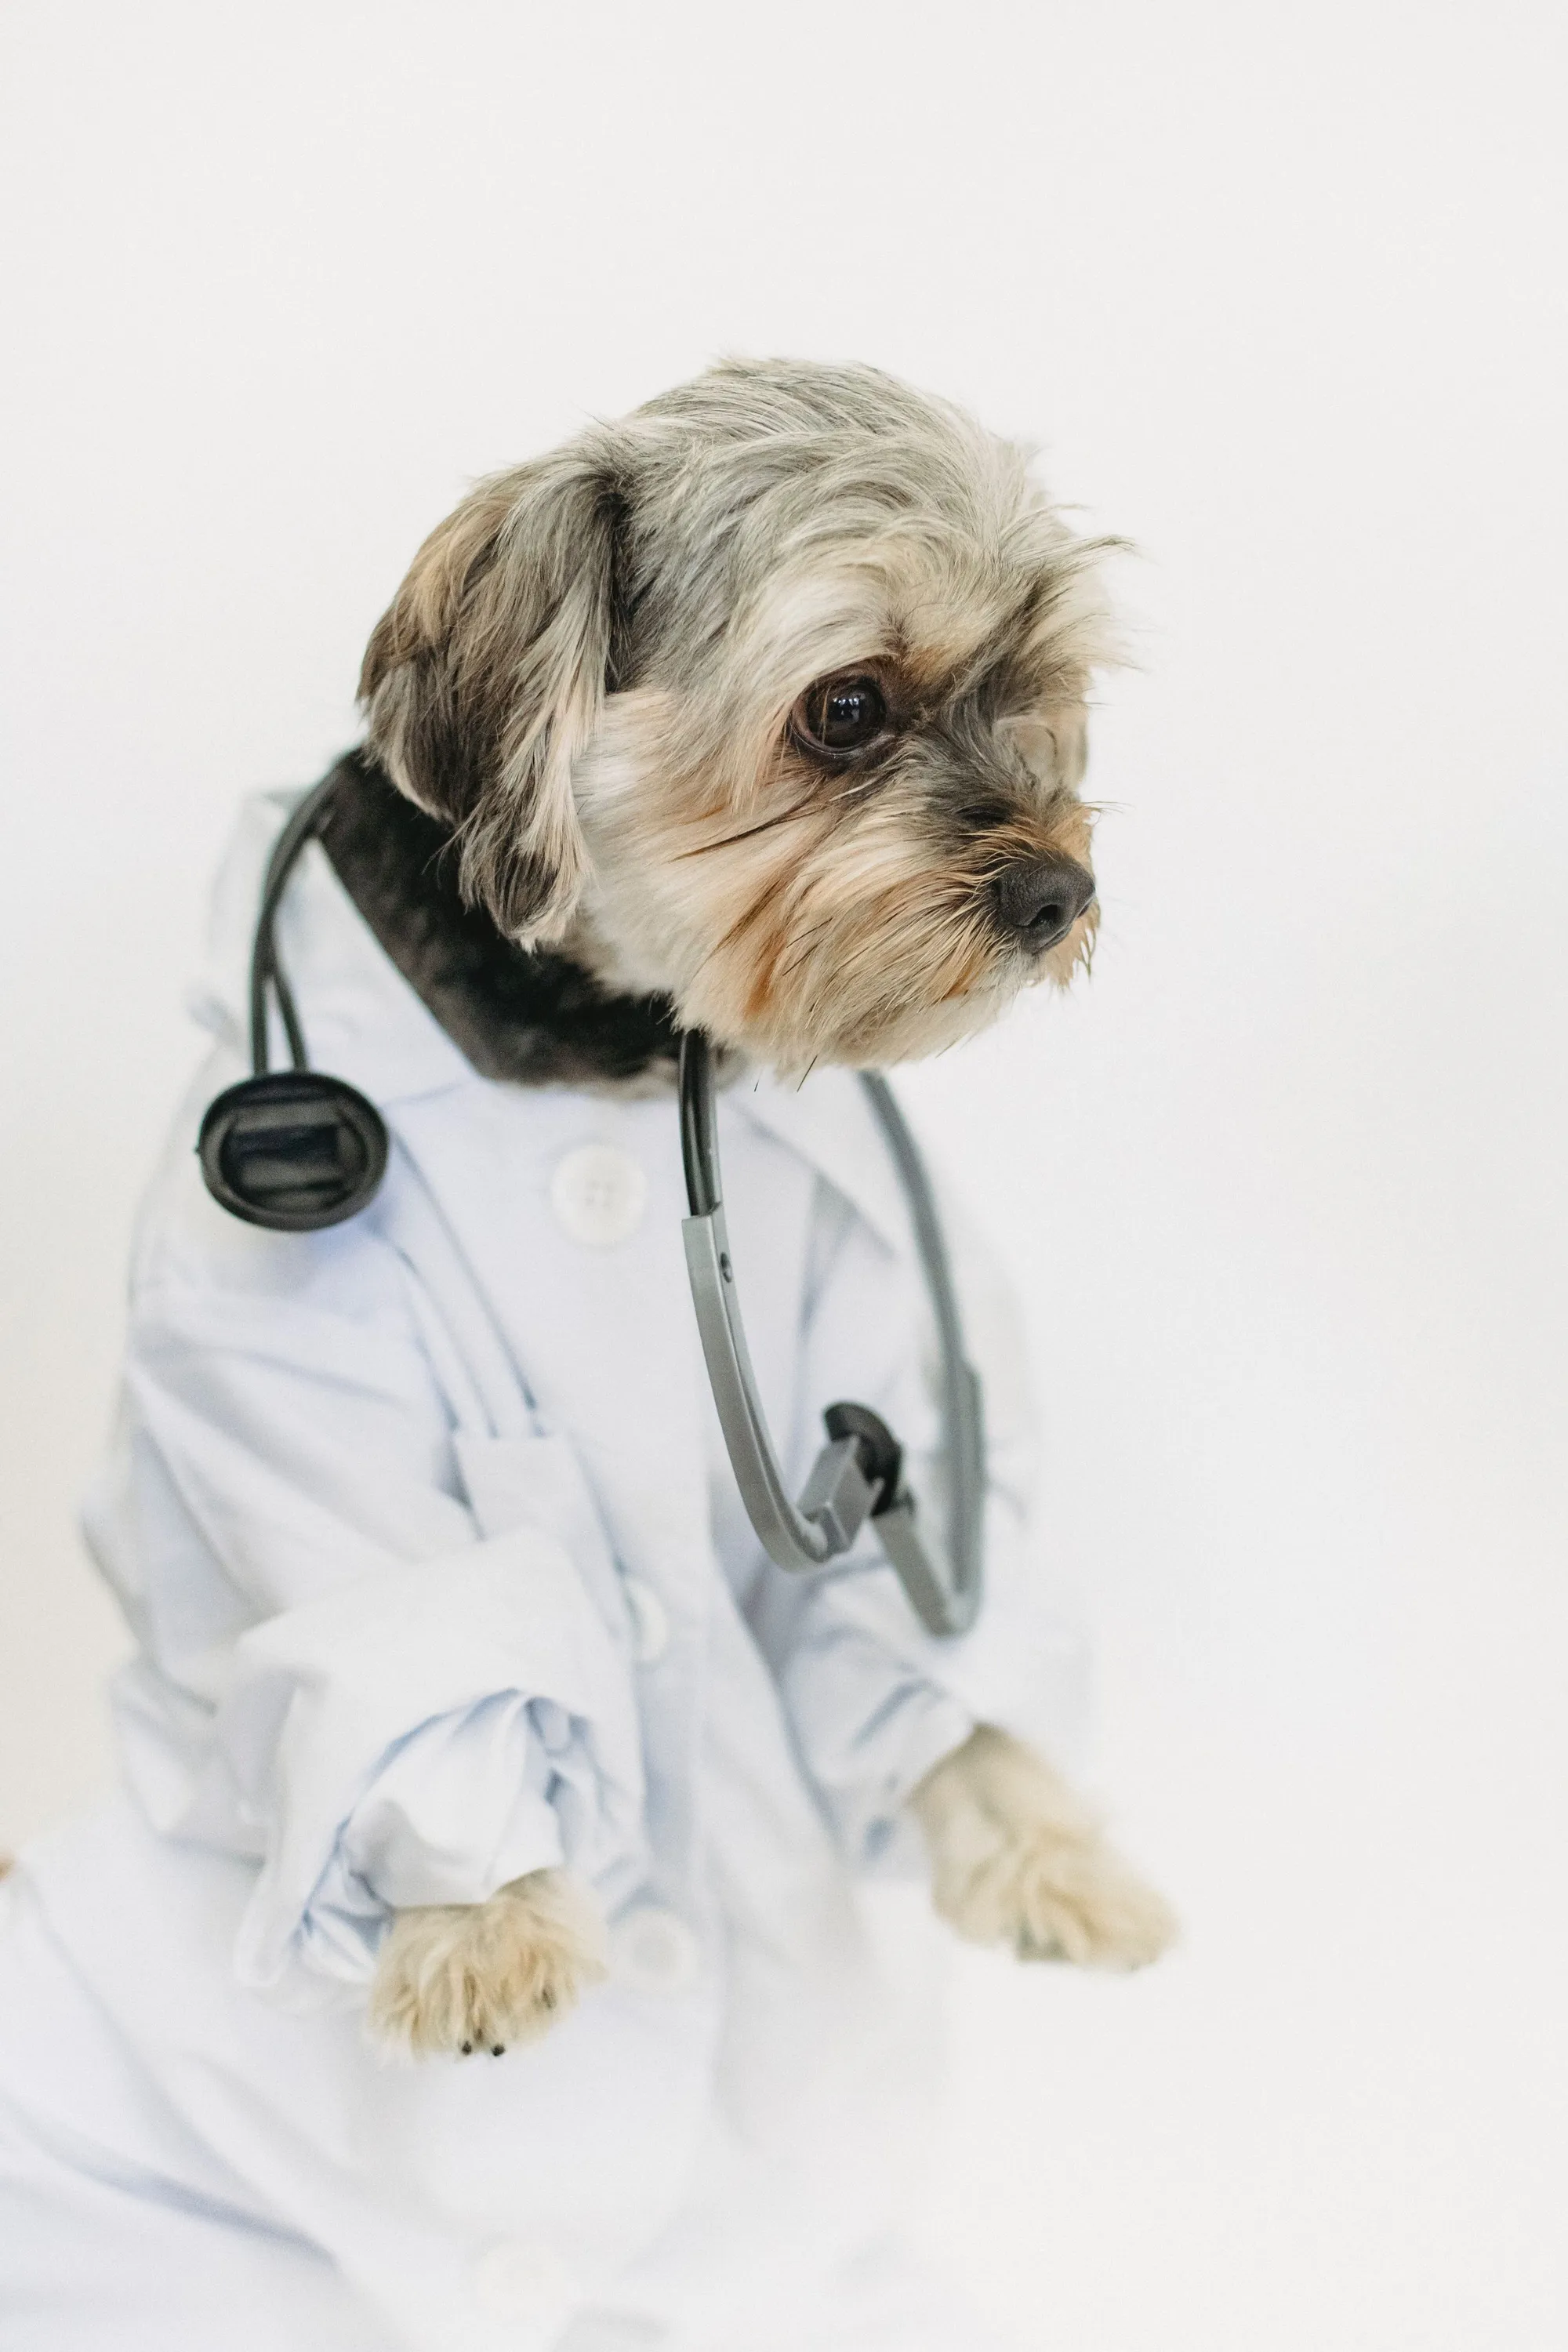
[[592, 671], [604, 676]]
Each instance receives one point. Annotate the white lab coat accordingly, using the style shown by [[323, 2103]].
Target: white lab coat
[[439, 1576]]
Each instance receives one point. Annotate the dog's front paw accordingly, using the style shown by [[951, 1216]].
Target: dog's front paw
[[1055, 1899], [1017, 1859], [482, 1976]]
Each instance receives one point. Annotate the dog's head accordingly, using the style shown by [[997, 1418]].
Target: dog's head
[[770, 698]]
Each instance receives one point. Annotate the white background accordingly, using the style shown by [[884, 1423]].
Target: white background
[[1279, 290]]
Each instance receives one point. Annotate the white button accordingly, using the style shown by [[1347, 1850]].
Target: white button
[[650, 1622], [527, 2284], [599, 1194], [653, 1951]]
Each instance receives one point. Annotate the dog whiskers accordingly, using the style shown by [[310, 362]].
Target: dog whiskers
[[748, 833]]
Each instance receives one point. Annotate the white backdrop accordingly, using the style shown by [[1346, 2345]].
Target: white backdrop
[[1280, 292]]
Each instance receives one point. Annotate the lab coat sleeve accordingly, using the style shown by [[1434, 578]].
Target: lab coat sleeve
[[342, 1676], [874, 1701]]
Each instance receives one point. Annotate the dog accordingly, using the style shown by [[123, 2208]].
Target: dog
[[461, 1685], [769, 703]]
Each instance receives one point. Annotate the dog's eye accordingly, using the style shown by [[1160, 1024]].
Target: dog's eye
[[841, 714]]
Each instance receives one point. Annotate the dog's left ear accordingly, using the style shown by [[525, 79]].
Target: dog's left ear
[[487, 676]]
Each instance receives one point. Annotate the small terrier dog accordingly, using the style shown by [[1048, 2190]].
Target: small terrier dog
[[768, 704]]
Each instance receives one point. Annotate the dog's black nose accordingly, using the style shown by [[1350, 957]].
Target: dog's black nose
[[1042, 899]]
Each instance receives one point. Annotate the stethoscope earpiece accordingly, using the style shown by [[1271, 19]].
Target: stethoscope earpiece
[[295, 1151]]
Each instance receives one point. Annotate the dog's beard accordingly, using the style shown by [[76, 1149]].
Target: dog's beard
[[806, 919]]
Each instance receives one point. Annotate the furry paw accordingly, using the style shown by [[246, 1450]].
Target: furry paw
[[481, 1976], [1017, 1858]]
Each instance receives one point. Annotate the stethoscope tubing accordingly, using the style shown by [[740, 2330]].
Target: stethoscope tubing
[[304, 822], [839, 1498]]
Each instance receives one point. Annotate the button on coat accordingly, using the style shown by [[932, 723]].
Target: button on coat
[[599, 1193]]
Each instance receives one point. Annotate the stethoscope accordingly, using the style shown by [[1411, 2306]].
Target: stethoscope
[[298, 1150]]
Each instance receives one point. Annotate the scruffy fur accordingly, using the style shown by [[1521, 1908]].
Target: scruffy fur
[[484, 1976], [530, 1016], [1018, 1859], [602, 686], [591, 672]]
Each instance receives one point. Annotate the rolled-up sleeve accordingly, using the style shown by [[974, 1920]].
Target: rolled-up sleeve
[[423, 1737], [341, 1676]]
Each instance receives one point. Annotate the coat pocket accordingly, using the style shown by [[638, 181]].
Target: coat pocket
[[538, 1482]]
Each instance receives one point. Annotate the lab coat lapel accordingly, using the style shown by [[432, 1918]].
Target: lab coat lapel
[[829, 1123]]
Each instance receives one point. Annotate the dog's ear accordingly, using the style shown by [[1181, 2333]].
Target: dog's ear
[[487, 676]]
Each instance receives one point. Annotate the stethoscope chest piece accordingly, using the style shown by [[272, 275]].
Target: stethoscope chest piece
[[295, 1151]]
